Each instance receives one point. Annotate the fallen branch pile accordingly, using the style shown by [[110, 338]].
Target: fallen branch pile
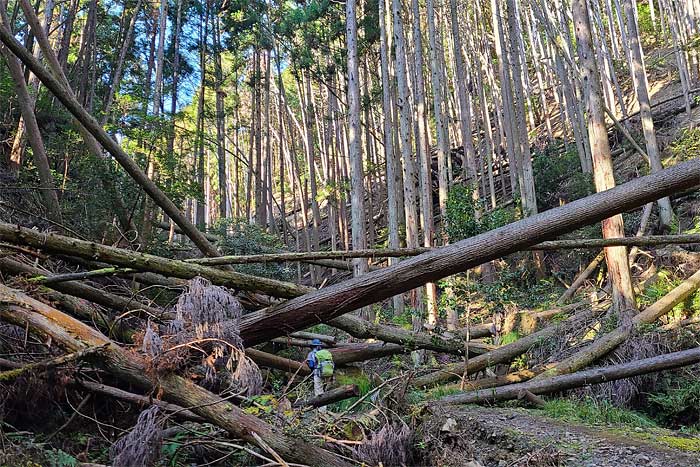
[[74, 336]]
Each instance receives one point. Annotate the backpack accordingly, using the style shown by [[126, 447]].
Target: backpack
[[325, 363]]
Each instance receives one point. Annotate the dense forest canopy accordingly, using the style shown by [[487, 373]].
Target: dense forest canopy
[[195, 193]]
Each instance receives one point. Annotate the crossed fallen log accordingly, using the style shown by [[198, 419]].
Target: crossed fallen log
[[579, 379], [579, 360]]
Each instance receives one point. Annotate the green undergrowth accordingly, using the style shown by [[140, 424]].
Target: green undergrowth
[[360, 380], [21, 449], [676, 403], [513, 288], [665, 282], [558, 176], [592, 412], [685, 147], [682, 443]]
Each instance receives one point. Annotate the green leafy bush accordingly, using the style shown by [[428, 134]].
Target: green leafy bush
[[238, 237], [677, 404], [558, 177], [665, 282], [462, 221], [686, 146]]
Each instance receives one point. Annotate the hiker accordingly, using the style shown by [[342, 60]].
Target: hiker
[[320, 361]]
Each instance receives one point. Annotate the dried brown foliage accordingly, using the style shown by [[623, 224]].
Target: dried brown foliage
[[390, 446], [204, 339], [141, 446]]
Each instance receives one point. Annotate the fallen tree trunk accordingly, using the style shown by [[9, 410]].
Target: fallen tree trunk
[[523, 322], [331, 302], [651, 240], [582, 378], [365, 351], [280, 363], [131, 259], [7, 376], [68, 99], [76, 289], [107, 324], [608, 342], [330, 397], [501, 354], [295, 341], [611, 340], [147, 278], [77, 276], [325, 263], [74, 336], [331, 340], [581, 278], [363, 329], [140, 400]]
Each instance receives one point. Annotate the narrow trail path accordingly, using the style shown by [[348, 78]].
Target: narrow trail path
[[517, 438]]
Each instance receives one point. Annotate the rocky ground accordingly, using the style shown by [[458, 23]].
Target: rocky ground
[[498, 437]]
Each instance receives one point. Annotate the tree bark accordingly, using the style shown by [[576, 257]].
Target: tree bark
[[639, 77], [330, 397], [220, 123], [92, 294], [501, 354], [393, 169], [551, 245], [362, 329], [357, 191], [611, 340]]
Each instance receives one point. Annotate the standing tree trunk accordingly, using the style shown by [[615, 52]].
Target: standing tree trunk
[[220, 122], [404, 108], [616, 257], [424, 162], [392, 165], [438, 78], [357, 192], [200, 168], [521, 143], [639, 76]]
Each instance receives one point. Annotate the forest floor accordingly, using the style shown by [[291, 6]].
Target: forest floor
[[515, 437]]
